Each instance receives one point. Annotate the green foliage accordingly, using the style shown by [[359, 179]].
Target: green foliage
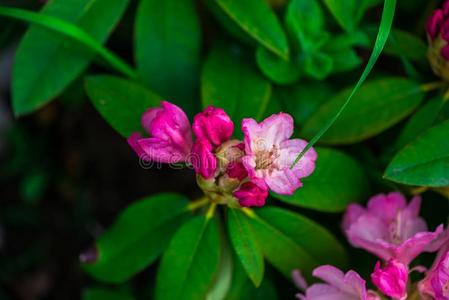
[[229, 81], [424, 161], [105, 294], [337, 181], [290, 241], [46, 62], [261, 24], [245, 245], [167, 49], [379, 104], [120, 102], [138, 237], [191, 262]]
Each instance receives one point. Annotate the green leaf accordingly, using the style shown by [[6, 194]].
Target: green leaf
[[304, 98], [105, 294], [223, 279], [261, 23], [46, 62], [245, 245], [138, 237], [420, 121], [337, 181], [120, 102], [242, 288], [230, 82], [276, 69], [425, 161], [290, 241], [344, 12], [167, 48], [318, 65], [189, 265], [379, 104]]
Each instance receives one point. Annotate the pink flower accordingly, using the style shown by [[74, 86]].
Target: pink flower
[[392, 280], [436, 283], [203, 159], [337, 286], [170, 134], [389, 228], [270, 153], [252, 193], [214, 125]]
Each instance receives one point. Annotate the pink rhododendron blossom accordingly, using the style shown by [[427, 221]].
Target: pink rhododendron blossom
[[391, 280], [269, 153], [213, 125], [203, 159], [438, 26], [337, 286], [237, 170], [252, 193], [389, 228], [170, 135], [436, 283]]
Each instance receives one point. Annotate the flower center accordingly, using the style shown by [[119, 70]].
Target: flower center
[[395, 230], [265, 158]]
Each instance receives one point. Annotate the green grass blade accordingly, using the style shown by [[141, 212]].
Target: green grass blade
[[382, 36], [71, 31]]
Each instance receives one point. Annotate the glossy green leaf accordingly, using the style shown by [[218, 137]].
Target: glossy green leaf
[[424, 161], [420, 121], [337, 181], [105, 294], [318, 65], [138, 237], [378, 105], [223, 279], [242, 288], [290, 241], [229, 81], [304, 98], [120, 102], [167, 48], [261, 24], [348, 13], [47, 62], [191, 262], [245, 245], [276, 69]]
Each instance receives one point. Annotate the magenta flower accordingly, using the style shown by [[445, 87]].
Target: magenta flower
[[270, 153], [337, 286], [170, 135], [203, 159], [236, 170], [392, 280], [252, 193], [213, 125], [436, 283], [438, 26], [389, 228]]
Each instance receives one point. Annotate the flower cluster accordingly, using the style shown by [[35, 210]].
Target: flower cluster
[[228, 170], [438, 37], [392, 230]]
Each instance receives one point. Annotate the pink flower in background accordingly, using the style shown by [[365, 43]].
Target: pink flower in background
[[389, 228], [170, 135], [203, 159], [392, 280], [213, 125], [269, 153], [436, 282], [252, 193], [438, 26], [337, 286]]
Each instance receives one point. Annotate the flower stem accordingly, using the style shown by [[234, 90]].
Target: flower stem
[[430, 86], [249, 212], [197, 203], [211, 211]]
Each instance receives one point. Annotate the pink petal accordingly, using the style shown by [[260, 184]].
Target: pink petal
[[434, 23], [283, 182], [133, 142], [214, 125], [289, 150], [353, 212], [386, 206], [149, 116], [162, 151]]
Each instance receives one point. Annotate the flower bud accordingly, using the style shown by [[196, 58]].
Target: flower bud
[[214, 125], [236, 170], [392, 280], [170, 138], [438, 35], [203, 159], [252, 193]]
